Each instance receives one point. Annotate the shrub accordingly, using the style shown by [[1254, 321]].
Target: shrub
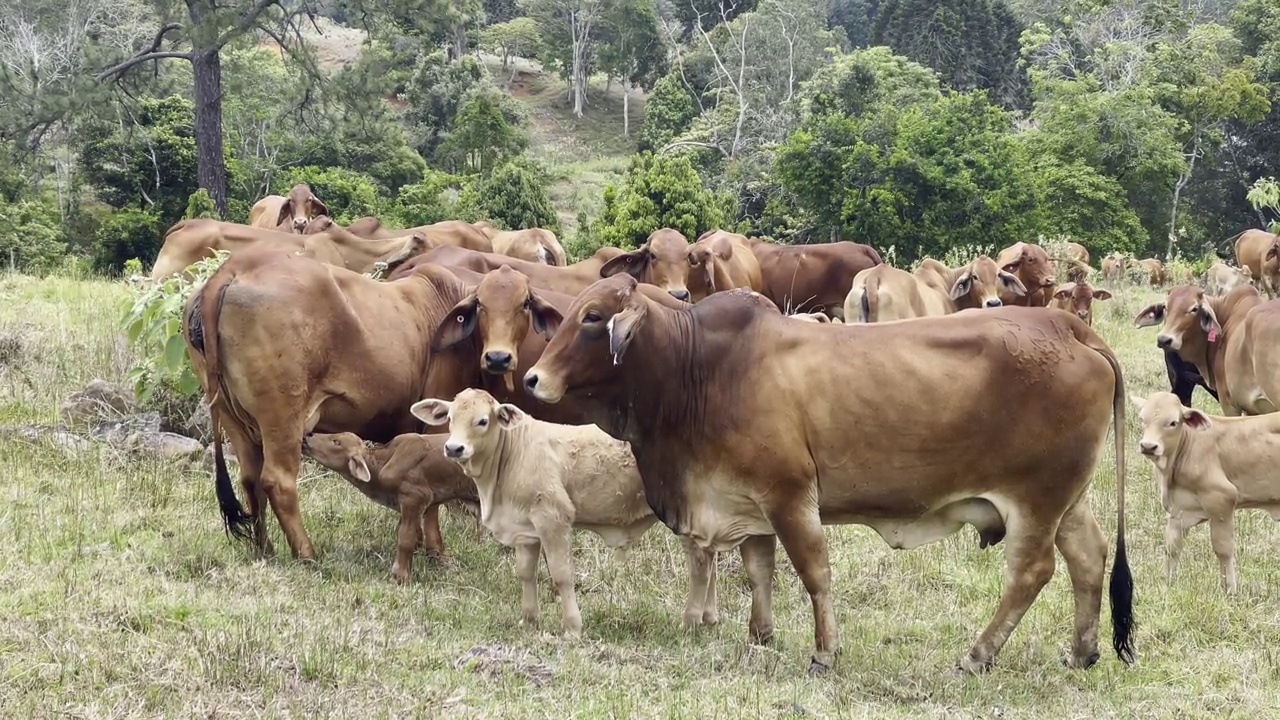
[[514, 195], [668, 112], [582, 243], [349, 195], [31, 237], [487, 131], [1075, 201], [424, 202], [200, 205], [658, 192], [124, 235]]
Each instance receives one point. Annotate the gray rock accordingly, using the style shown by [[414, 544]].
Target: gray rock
[[165, 445], [98, 401], [118, 431], [199, 426], [55, 436]]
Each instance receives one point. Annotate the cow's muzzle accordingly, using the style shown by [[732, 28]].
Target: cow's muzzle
[[454, 450], [994, 303], [1148, 448], [496, 361], [1164, 342]]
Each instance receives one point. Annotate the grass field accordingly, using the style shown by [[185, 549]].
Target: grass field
[[120, 596]]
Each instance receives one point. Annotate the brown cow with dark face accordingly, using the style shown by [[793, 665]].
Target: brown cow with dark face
[[749, 426], [290, 213], [663, 261], [1078, 297], [570, 280], [1032, 266], [803, 278]]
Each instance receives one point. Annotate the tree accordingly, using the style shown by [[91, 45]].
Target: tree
[[514, 195], [854, 17], [567, 28], [487, 130], [204, 29], [1076, 202], [435, 94], [667, 113], [632, 49], [658, 192], [516, 37]]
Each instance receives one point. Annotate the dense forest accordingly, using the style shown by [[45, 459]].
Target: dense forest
[[917, 126]]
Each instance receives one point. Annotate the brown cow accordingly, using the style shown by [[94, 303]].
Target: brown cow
[[1078, 297], [1208, 467], [1256, 250], [1154, 270], [663, 261], [1233, 340], [722, 260], [1114, 267], [741, 422], [410, 474], [884, 293], [532, 244], [457, 233], [1221, 278], [1034, 269], [190, 241], [800, 278], [290, 213], [570, 280]]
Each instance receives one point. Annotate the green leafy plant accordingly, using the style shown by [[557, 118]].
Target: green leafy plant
[[1265, 195], [153, 326], [124, 235]]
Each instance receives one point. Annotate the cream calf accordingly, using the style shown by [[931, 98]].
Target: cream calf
[[1208, 467], [537, 481]]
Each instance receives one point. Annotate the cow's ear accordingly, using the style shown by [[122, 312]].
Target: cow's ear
[[1064, 291], [722, 248], [623, 328], [1011, 283], [431, 411], [359, 469], [1137, 401], [1195, 419], [319, 207], [545, 318], [286, 211], [962, 287], [1209, 322], [458, 324], [510, 415], [1100, 294], [1151, 316], [632, 263]]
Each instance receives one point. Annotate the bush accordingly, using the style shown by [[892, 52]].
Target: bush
[[125, 235], [487, 131], [349, 195], [669, 111], [1077, 202], [424, 202], [514, 195], [435, 93], [658, 192], [200, 205], [31, 237], [583, 243]]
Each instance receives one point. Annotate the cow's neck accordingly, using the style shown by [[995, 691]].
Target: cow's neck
[[1230, 312], [485, 469], [666, 351]]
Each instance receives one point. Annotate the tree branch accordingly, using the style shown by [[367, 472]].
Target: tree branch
[[151, 53], [246, 22]]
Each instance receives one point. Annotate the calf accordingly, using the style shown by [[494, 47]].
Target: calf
[[1078, 297], [884, 293], [663, 261], [1208, 467], [537, 481], [1221, 278], [1032, 266], [409, 474], [1257, 250], [1154, 270], [1114, 267]]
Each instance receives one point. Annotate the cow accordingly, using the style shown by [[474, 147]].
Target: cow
[[802, 278], [816, 317], [1256, 250], [1221, 278], [1233, 340], [532, 244], [290, 213], [662, 260], [409, 474], [457, 233], [884, 293], [1184, 378], [1208, 467], [1031, 264], [721, 260], [537, 481], [741, 421], [284, 345], [569, 280], [1154, 270], [190, 241], [1114, 267], [1078, 297]]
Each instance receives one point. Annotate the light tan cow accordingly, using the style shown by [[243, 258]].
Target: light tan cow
[[1208, 467], [1114, 267], [409, 474], [537, 481], [1078, 297], [816, 317], [721, 260], [1154, 270], [289, 214], [884, 293], [1221, 278], [532, 244], [1256, 250]]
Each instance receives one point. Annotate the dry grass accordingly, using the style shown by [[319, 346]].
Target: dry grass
[[121, 597]]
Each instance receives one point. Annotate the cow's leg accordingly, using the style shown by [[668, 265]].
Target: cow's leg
[[710, 606], [527, 571], [799, 529], [1084, 548], [556, 544], [1175, 532], [701, 570], [249, 459], [282, 455], [758, 557], [432, 540], [1028, 568], [1222, 535], [408, 534]]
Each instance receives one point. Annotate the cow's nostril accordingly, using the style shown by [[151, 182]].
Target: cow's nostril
[[680, 294], [1164, 341], [530, 382], [497, 360], [994, 302]]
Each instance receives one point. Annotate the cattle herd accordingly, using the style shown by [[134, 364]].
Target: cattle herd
[[739, 391]]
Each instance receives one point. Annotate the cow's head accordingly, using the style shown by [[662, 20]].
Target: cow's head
[[1078, 297], [1185, 319], [502, 309], [317, 224], [475, 421], [981, 282], [485, 227], [300, 205], [340, 452], [1032, 266], [591, 342], [661, 261], [1164, 420], [1245, 274], [1273, 249], [705, 258]]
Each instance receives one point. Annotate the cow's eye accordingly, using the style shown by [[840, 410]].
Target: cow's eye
[[1173, 423], [528, 303], [592, 317], [483, 422]]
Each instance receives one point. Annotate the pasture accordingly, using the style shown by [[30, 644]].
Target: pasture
[[120, 595]]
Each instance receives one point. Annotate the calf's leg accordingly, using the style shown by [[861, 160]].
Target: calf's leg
[[1222, 535], [432, 540], [527, 571], [1175, 532], [759, 558], [1084, 548], [556, 544], [407, 536]]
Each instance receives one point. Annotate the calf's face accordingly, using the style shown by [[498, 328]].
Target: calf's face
[[703, 258], [592, 339], [340, 452], [299, 205], [981, 282], [1185, 319], [502, 308], [474, 418], [1078, 298], [1164, 420], [662, 261]]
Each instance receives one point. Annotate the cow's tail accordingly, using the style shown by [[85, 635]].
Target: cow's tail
[[870, 309], [1121, 590], [205, 312]]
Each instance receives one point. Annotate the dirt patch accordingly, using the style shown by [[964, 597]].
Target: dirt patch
[[495, 660]]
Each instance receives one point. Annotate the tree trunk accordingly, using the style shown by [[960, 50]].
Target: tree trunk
[[211, 166], [626, 108], [579, 29], [1177, 195], [459, 41]]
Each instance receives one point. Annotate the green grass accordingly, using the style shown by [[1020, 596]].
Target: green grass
[[121, 597]]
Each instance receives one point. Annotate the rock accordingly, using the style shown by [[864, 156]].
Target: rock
[[98, 401], [165, 445], [198, 425], [117, 432], [55, 436]]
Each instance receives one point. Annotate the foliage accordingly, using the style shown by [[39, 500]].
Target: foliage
[[435, 94], [126, 235], [349, 195], [31, 237], [658, 192], [1077, 202], [153, 326], [514, 195], [487, 131], [631, 44], [200, 205], [517, 37], [669, 111], [582, 243], [854, 17], [1265, 195], [424, 202]]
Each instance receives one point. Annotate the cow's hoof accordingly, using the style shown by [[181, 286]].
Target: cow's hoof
[[817, 667], [760, 634], [971, 666], [710, 618], [1076, 662]]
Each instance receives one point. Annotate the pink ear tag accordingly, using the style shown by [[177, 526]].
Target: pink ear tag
[[1213, 335]]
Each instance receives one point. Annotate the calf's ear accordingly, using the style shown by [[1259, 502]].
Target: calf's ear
[[319, 207], [622, 329], [632, 263], [431, 411], [1137, 401], [359, 469], [1195, 419], [458, 324], [510, 415], [286, 211], [546, 319], [1064, 291], [1209, 322], [1101, 295], [963, 285], [1152, 315], [1011, 283]]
